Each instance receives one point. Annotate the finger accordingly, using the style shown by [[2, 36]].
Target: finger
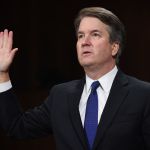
[[5, 38], [9, 41], [1, 39]]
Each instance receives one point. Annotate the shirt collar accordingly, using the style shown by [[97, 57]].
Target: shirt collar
[[105, 81]]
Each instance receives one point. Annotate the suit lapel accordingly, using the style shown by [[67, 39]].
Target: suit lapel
[[117, 95], [74, 99]]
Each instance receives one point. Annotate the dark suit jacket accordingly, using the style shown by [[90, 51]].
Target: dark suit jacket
[[124, 125]]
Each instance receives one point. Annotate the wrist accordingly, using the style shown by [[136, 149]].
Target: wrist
[[4, 77]]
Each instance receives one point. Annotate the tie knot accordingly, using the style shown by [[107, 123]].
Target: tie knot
[[95, 85]]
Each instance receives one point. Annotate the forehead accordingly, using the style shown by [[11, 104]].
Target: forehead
[[92, 23]]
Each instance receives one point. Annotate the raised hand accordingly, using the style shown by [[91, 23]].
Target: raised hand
[[6, 51]]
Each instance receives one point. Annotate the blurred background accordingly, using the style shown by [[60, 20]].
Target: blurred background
[[44, 33]]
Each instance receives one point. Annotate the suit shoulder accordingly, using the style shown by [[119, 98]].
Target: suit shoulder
[[70, 85], [135, 82]]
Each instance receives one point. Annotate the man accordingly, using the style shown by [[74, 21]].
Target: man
[[119, 106]]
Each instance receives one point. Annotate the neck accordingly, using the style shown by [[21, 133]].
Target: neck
[[4, 77], [97, 72]]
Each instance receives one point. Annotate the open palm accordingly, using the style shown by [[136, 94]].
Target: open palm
[[6, 51]]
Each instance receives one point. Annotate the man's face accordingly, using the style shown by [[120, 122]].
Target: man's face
[[93, 45]]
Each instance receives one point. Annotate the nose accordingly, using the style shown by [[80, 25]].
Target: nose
[[86, 40]]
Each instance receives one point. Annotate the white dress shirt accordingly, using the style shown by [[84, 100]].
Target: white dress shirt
[[102, 91], [5, 86]]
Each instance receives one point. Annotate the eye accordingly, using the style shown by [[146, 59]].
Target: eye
[[96, 34], [80, 36]]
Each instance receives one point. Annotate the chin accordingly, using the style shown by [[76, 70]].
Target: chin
[[87, 64]]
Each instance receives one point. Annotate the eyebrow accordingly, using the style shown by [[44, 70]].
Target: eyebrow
[[95, 30]]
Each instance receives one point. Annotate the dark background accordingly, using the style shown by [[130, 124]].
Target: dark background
[[44, 34]]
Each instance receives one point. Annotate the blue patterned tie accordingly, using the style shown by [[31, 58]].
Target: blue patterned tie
[[91, 116]]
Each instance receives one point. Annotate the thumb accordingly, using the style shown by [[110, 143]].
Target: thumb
[[13, 52]]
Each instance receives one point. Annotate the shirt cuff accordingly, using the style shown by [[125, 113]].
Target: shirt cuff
[[5, 86]]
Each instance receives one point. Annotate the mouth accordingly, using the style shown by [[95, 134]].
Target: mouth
[[86, 53]]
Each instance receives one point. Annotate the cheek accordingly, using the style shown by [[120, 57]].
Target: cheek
[[78, 47], [103, 50]]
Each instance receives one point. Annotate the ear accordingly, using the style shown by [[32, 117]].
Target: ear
[[115, 48]]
